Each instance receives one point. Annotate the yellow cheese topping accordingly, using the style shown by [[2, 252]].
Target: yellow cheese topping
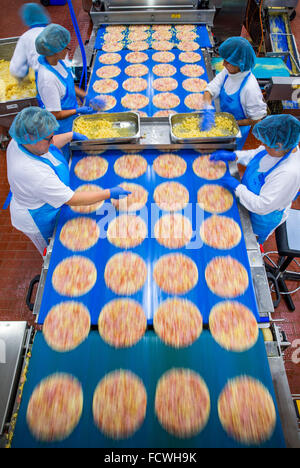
[[189, 128], [10, 89]]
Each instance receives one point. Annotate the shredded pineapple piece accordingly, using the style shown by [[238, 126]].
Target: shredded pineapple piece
[[10, 89], [189, 128], [95, 129]]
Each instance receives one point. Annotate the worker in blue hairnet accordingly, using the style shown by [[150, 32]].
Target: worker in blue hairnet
[[236, 87], [25, 56], [55, 81], [272, 177], [38, 175]]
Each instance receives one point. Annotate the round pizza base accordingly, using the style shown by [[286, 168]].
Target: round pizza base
[[182, 402], [163, 57], [134, 101], [74, 276], [246, 410], [112, 46], [136, 57], [169, 166], [194, 85], [136, 70], [122, 323], [125, 273], [192, 71], [136, 36], [164, 69], [165, 84], [135, 201], [138, 46], [119, 404], [209, 170], [135, 85], [162, 45], [130, 166], [166, 100], [91, 168], [194, 101], [108, 71], [127, 231], [214, 198], [45, 421], [226, 277], [105, 86], [109, 101], [178, 322], [173, 231], [188, 46], [220, 232], [189, 57], [171, 196], [88, 208], [79, 234], [233, 326], [110, 58], [66, 326], [175, 273]]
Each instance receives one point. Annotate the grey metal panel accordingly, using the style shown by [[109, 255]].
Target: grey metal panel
[[153, 17], [280, 3], [152, 4]]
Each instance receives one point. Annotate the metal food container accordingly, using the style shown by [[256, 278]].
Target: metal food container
[[176, 119], [9, 109], [128, 123]]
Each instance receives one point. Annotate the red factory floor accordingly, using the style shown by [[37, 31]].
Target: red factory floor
[[20, 261]]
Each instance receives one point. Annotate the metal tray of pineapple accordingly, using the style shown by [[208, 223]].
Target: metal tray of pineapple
[[177, 119], [126, 123]]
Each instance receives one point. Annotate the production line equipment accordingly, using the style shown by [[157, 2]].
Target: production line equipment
[[150, 261]]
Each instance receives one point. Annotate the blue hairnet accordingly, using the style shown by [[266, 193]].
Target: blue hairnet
[[32, 124], [54, 38], [275, 129], [239, 52], [33, 14]]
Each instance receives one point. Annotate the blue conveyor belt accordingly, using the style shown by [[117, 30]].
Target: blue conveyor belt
[[150, 250], [149, 359]]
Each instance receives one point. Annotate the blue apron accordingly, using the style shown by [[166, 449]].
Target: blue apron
[[68, 102], [45, 216], [232, 103], [262, 225]]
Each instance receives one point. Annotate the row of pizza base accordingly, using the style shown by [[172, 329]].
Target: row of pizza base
[[182, 406], [132, 166], [160, 57]]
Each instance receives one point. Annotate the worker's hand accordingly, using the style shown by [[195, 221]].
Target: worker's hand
[[79, 137], [97, 103], [229, 182], [85, 110], [222, 155], [208, 119], [118, 192]]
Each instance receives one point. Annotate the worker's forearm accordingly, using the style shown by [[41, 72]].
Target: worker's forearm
[[88, 198], [80, 92], [64, 114], [207, 97], [62, 139], [244, 122]]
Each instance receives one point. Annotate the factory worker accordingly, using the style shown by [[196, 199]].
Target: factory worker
[[272, 177], [25, 56], [38, 175], [236, 87], [55, 81]]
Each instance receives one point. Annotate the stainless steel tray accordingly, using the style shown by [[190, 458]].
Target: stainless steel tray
[[126, 121], [178, 118]]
